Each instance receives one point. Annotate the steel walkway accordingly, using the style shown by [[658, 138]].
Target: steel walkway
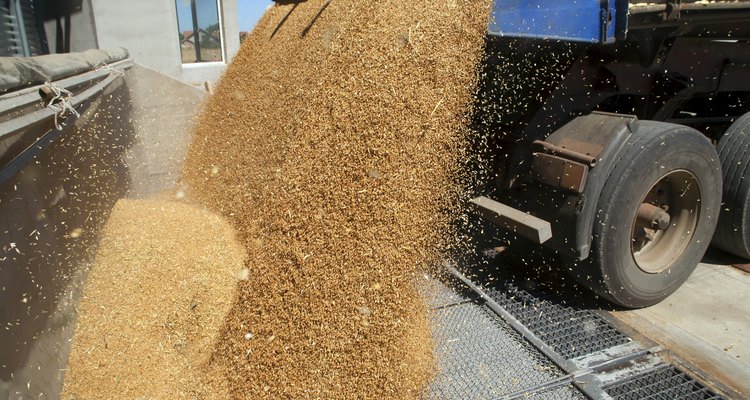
[[505, 342]]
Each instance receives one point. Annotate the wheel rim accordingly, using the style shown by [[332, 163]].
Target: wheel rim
[[676, 195]]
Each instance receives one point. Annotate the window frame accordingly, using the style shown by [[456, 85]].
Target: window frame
[[222, 45]]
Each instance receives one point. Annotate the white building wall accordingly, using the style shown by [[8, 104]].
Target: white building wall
[[148, 29]]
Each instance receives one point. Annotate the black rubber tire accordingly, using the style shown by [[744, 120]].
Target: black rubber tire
[[733, 231], [657, 149]]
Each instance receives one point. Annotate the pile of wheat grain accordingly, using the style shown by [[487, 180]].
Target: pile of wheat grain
[[155, 299]]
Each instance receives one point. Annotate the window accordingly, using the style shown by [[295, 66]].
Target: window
[[200, 31]]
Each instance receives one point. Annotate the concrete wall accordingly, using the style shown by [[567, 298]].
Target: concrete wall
[[148, 28], [230, 18]]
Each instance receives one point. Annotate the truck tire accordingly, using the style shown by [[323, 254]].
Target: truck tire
[[733, 231], [669, 170]]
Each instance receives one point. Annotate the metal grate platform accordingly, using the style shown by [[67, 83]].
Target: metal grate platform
[[663, 383], [569, 331], [482, 357], [566, 392], [509, 343]]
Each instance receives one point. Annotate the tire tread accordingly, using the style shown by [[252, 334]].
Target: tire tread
[[734, 153]]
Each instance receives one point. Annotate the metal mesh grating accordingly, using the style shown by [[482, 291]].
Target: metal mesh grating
[[663, 383], [569, 331], [481, 356], [557, 393], [438, 293]]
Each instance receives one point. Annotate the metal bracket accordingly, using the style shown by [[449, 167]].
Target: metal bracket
[[565, 166], [584, 153], [559, 172], [568, 173], [526, 225]]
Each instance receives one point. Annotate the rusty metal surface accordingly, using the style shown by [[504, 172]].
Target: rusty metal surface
[[588, 148], [569, 152], [559, 172], [652, 217]]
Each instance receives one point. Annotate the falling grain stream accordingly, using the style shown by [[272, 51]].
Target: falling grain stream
[[332, 147]]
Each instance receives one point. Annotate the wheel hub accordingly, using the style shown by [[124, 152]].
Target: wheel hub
[[665, 221], [652, 217]]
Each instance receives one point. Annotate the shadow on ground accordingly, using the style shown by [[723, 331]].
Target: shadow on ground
[[494, 261]]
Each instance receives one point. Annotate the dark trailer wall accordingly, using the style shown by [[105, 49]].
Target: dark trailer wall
[[608, 56], [57, 187]]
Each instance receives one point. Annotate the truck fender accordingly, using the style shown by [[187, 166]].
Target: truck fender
[[569, 173]]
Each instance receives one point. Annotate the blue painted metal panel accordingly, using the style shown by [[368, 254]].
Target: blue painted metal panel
[[590, 21]]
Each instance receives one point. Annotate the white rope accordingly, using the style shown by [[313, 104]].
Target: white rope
[[60, 103], [112, 71], [60, 100]]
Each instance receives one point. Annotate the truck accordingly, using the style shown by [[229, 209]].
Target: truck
[[627, 155]]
